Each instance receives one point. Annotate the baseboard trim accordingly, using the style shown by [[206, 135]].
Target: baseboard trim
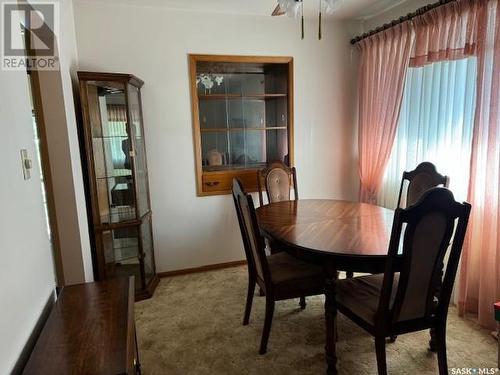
[[209, 267]]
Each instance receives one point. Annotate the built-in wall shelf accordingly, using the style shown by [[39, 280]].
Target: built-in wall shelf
[[242, 118]]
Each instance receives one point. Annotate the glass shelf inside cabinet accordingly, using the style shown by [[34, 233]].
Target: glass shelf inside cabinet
[[235, 86], [121, 253], [118, 214], [243, 149], [112, 151], [239, 131]]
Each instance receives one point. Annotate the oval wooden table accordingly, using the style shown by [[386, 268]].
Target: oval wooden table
[[339, 235]]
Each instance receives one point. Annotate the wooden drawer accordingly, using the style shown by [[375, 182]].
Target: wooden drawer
[[221, 182]]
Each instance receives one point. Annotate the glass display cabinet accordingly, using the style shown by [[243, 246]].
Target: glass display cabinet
[[118, 178], [242, 118]]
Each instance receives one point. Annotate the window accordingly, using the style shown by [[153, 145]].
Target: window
[[435, 124]]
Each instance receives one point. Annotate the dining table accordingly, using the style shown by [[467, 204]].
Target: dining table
[[338, 235]]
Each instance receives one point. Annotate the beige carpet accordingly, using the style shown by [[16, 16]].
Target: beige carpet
[[192, 325]]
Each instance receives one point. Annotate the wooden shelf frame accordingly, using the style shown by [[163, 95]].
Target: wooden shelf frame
[[241, 96], [239, 129], [135, 216], [219, 182]]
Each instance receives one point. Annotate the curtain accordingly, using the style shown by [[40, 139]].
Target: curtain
[[448, 32], [117, 113], [437, 112], [383, 64], [480, 268], [435, 124], [452, 31]]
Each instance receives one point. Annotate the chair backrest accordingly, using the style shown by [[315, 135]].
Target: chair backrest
[[424, 230], [252, 240], [421, 179], [277, 179]]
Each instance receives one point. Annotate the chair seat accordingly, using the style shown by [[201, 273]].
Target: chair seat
[[360, 296], [293, 277]]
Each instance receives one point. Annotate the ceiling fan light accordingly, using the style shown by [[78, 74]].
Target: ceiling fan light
[[292, 8]]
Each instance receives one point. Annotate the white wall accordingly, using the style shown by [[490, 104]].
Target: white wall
[[69, 81], [394, 13], [27, 277], [57, 102], [153, 43]]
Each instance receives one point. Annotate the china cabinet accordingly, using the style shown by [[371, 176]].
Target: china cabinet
[[118, 178], [242, 118]]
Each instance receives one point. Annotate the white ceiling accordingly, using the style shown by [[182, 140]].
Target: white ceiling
[[349, 9]]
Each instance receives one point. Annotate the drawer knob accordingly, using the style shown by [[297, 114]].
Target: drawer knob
[[212, 183]]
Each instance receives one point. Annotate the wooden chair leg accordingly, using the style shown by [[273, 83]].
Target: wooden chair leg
[[331, 327], [441, 350], [303, 302], [381, 359], [248, 307], [267, 325]]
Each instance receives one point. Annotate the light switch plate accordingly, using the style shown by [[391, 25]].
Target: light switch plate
[[26, 164]]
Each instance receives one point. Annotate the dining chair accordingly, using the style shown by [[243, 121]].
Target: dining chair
[[422, 178], [414, 293], [277, 179], [280, 276]]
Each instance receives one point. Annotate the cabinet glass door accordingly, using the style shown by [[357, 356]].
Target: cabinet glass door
[[242, 118], [140, 167], [111, 151], [147, 249], [116, 166], [121, 253]]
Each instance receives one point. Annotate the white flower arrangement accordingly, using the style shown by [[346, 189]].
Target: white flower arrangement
[[208, 80]]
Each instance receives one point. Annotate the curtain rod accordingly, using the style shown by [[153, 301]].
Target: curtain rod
[[408, 17]]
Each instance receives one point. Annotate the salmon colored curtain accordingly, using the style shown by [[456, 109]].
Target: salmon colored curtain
[[453, 31], [480, 269], [448, 32], [384, 61], [117, 113]]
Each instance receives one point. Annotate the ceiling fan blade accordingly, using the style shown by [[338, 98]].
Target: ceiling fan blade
[[277, 11], [332, 5]]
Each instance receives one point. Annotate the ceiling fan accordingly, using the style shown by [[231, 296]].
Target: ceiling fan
[[295, 9]]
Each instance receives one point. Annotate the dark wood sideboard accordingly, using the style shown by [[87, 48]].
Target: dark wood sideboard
[[90, 330]]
